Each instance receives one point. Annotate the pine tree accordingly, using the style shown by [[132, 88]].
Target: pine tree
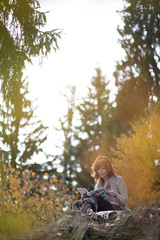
[[21, 132], [137, 76], [21, 39], [92, 134], [67, 159]]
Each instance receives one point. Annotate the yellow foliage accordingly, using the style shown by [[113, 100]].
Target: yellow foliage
[[27, 201], [136, 159]]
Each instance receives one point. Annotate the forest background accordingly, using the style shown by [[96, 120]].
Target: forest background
[[126, 129]]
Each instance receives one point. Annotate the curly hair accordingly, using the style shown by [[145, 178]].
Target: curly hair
[[102, 161]]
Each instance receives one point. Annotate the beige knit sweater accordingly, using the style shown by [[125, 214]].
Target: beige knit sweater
[[117, 184]]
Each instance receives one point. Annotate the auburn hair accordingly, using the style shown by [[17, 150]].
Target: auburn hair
[[102, 161]]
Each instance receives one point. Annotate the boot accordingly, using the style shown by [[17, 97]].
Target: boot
[[77, 205], [76, 208], [88, 205]]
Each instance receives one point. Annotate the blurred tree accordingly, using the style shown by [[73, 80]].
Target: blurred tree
[[138, 75], [137, 159], [93, 134], [67, 159], [21, 133], [21, 39]]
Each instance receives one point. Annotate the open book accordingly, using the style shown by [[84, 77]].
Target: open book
[[96, 192]]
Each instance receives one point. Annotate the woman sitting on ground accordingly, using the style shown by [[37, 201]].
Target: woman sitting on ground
[[116, 197]]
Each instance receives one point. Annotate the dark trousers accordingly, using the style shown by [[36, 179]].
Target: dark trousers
[[103, 205]]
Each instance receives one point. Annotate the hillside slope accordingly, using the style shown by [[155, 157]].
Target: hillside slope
[[141, 223]]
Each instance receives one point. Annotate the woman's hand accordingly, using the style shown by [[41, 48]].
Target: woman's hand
[[111, 193]]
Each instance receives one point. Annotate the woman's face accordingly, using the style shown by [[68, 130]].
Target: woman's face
[[102, 172]]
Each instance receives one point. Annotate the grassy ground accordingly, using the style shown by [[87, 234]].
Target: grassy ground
[[141, 223]]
